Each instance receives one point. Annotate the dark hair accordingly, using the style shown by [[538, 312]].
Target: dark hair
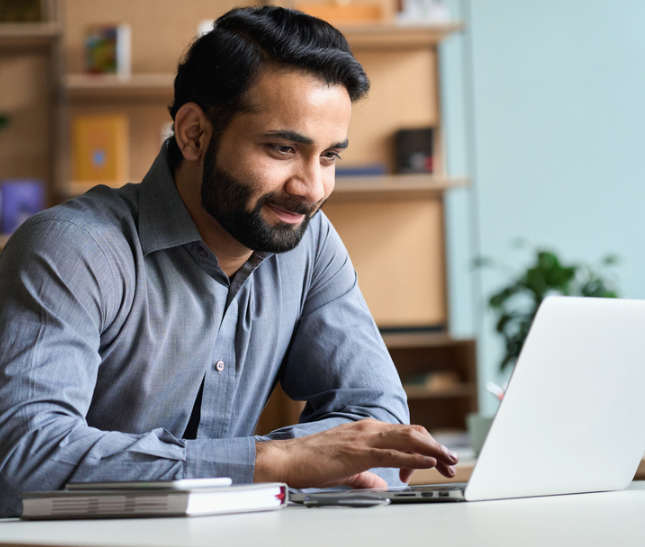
[[220, 66]]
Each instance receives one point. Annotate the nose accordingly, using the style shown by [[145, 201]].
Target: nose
[[309, 182]]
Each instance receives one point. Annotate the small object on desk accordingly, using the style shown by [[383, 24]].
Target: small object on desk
[[344, 500], [495, 390]]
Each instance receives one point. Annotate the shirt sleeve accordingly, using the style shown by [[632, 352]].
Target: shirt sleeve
[[338, 362], [55, 300]]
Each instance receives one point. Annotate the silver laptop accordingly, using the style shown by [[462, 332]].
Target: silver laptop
[[573, 417]]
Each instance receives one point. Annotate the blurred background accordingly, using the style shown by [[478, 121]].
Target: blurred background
[[490, 122]]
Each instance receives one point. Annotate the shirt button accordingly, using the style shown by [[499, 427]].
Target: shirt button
[[202, 252], [219, 366]]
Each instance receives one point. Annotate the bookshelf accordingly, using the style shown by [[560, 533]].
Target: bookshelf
[[393, 225], [29, 71]]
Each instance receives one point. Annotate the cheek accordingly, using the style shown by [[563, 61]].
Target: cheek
[[264, 175]]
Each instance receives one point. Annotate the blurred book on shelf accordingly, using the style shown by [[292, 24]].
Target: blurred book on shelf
[[108, 49], [19, 199], [426, 12], [414, 150], [100, 149], [374, 170]]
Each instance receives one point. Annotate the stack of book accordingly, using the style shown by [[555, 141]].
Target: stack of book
[[192, 497]]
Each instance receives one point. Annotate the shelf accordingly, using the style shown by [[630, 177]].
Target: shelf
[[3, 240], [422, 392], [393, 36], [422, 340], [358, 188], [374, 37], [28, 35], [100, 86], [394, 186]]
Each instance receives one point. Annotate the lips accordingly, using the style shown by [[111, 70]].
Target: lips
[[286, 216]]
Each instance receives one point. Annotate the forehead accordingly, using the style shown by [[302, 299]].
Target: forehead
[[296, 101]]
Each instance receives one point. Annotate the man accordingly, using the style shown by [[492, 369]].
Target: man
[[144, 328]]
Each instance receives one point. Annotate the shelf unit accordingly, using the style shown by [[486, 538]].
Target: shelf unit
[[30, 68], [393, 226]]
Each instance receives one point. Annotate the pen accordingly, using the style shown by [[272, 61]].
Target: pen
[[495, 390]]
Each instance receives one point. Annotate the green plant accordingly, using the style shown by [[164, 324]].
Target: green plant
[[516, 304]]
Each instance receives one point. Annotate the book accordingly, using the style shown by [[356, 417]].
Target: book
[[100, 149], [147, 502], [108, 49], [19, 199], [374, 170]]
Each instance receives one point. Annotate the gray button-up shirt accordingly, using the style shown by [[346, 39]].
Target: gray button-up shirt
[[112, 313]]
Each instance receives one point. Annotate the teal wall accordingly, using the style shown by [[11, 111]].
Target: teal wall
[[554, 144]]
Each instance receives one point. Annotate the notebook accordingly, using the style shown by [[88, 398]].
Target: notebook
[[573, 417]]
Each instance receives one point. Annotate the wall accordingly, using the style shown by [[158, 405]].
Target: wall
[[558, 137]]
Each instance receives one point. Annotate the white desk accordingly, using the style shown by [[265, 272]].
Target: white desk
[[614, 518]]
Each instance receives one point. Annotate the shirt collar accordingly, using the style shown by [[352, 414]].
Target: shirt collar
[[164, 221]]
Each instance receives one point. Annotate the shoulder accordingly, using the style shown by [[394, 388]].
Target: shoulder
[[105, 216]]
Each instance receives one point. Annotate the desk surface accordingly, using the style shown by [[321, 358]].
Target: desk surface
[[612, 518]]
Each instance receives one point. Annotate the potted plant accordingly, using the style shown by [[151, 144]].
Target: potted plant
[[515, 305]]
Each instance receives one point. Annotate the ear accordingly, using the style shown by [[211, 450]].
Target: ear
[[193, 131]]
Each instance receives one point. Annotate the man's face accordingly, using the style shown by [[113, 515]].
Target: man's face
[[274, 165]]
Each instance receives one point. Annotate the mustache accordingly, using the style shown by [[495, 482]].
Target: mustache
[[291, 204]]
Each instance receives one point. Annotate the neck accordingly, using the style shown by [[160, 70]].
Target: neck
[[230, 253]]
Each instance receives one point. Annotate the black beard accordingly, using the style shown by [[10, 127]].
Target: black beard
[[226, 198]]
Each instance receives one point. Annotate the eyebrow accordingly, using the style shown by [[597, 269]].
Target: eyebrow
[[297, 137]]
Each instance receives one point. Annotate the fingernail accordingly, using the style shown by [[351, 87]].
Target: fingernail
[[452, 471], [450, 454]]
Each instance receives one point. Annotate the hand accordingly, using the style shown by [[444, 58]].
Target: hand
[[344, 454]]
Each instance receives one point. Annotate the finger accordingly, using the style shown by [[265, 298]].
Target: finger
[[384, 457], [405, 475], [448, 471], [452, 457], [366, 479], [417, 440]]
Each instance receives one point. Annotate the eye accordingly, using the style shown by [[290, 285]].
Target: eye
[[283, 149], [331, 156]]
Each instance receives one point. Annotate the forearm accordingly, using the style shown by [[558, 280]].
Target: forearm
[[65, 450]]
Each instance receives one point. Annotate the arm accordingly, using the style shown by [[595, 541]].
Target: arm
[[340, 366], [59, 293]]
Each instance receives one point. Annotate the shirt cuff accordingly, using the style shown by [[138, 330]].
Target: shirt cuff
[[234, 458]]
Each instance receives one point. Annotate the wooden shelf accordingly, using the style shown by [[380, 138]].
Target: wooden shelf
[[101, 86], [28, 35], [359, 188], [393, 36], [394, 186], [3, 240], [422, 392], [422, 340]]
